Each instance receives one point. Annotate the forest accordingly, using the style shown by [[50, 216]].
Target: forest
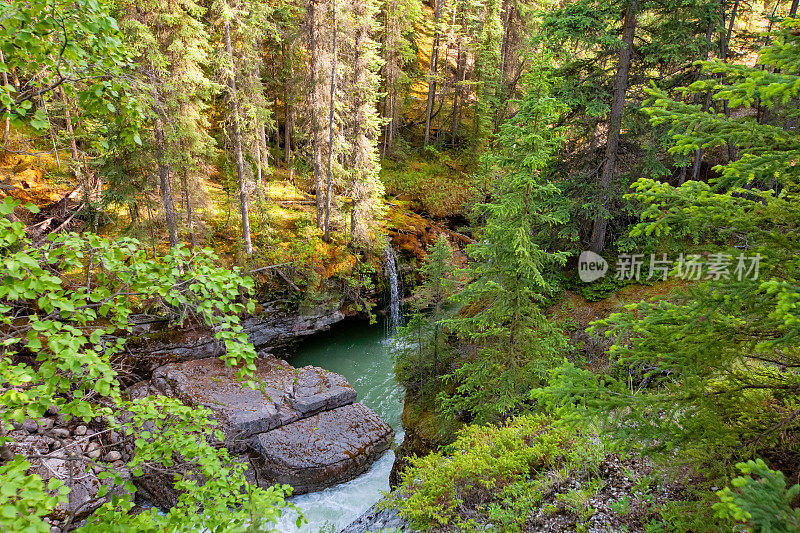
[[400, 265]]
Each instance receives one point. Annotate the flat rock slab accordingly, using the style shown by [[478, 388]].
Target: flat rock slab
[[322, 450], [285, 394]]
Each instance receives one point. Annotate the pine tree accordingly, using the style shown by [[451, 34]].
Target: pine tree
[[364, 184], [713, 372], [511, 270], [433, 68], [487, 70], [396, 50], [171, 44], [418, 368]]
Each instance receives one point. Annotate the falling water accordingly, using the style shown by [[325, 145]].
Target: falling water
[[390, 269], [364, 355]]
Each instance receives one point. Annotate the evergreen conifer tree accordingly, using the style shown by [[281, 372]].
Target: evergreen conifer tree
[[511, 271]]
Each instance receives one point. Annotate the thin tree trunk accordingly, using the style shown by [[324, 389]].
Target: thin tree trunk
[[68, 118], [357, 80], [698, 155], [277, 135], [7, 110], [504, 42], [257, 157], [461, 60], [732, 149], [166, 187], [237, 141], [615, 123], [289, 117], [262, 140], [329, 185], [187, 200], [434, 68], [50, 129], [793, 9]]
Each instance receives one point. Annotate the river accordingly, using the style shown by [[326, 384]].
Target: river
[[362, 354]]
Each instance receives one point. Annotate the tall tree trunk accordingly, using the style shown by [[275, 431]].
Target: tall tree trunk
[[434, 68], [726, 42], [615, 123], [357, 80], [315, 104], [166, 187], [329, 184], [237, 141], [50, 130], [262, 144], [289, 118], [461, 60], [793, 9], [262, 135], [256, 147], [504, 43]]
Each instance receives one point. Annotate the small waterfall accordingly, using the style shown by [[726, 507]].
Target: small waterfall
[[390, 270]]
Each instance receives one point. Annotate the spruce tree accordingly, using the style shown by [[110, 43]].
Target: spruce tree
[[364, 185], [713, 371], [510, 269], [418, 367]]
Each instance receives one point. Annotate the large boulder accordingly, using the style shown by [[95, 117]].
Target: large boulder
[[322, 450], [285, 394], [300, 426]]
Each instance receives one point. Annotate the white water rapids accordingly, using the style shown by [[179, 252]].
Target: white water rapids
[[362, 354]]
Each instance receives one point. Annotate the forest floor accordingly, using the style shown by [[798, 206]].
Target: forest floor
[[282, 213]]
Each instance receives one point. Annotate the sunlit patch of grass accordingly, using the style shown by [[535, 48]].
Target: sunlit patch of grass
[[439, 185]]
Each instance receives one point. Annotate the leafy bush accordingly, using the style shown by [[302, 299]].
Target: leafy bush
[[65, 307], [487, 468]]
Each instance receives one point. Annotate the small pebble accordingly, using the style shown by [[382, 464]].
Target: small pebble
[[30, 426], [94, 454], [112, 456], [61, 433], [45, 424], [55, 529], [80, 431], [53, 410]]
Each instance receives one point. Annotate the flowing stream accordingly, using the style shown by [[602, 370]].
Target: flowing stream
[[362, 354]]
